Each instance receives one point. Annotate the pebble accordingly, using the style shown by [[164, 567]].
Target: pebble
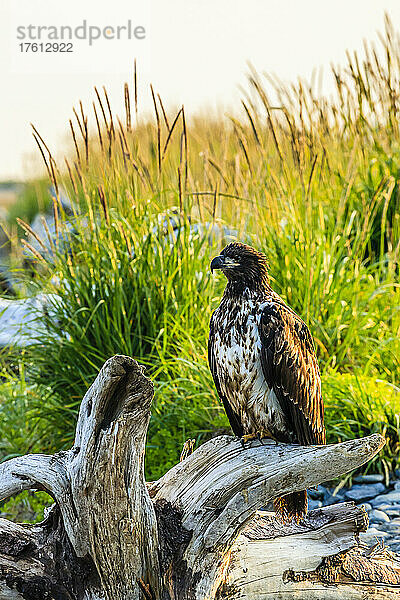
[[366, 506], [365, 492], [378, 515], [397, 485], [372, 478]]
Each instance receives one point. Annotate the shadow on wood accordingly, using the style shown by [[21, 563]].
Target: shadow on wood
[[110, 535]]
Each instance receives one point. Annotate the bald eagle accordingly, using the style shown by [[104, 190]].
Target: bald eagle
[[263, 363]]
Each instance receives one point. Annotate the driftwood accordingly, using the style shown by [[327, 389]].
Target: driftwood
[[111, 535]]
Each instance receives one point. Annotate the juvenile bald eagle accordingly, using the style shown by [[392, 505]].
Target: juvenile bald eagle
[[263, 363]]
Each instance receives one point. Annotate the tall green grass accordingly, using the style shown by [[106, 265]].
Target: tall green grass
[[311, 181]]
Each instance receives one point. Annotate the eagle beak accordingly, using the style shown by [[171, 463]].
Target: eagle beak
[[217, 263]]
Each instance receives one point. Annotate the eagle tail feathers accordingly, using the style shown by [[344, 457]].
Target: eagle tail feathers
[[292, 507]]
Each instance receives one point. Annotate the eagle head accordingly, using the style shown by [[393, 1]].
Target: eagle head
[[242, 264]]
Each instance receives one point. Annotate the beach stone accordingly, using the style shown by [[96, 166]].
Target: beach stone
[[397, 485], [391, 498], [366, 506], [390, 527], [393, 511], [364, 492], [383, 506], [379, 516], [371, 478]]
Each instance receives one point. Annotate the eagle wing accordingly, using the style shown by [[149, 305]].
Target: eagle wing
[[233, 417], [290, 368]]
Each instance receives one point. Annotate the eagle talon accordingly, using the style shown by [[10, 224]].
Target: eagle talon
[[258, 435]]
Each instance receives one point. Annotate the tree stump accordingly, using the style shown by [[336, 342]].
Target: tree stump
[[111, 535]]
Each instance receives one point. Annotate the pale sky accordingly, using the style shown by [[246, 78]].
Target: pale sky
[[195, 53]]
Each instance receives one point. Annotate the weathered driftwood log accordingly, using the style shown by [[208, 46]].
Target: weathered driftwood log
[[321, 559], [110, 535]]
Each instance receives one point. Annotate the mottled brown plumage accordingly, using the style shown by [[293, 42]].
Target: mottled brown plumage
[[263, 362]]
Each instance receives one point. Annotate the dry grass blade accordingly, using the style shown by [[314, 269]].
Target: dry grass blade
[[253, 126], [33, 250], [85, 132], [51, 163], [104, 204], [122, 149], [135, 89], [170, 134], [215, 202], [98, 126], [108, 129], [180, 192], [28, 229], [48, 234], [74, 186], [214, 164], [265, 101], [158, 130], [53, 174], [185, 137], [79, 122], [43, 156], [127, 107], [112, 132], [56, 217], [124, 145], [163, 112], [311, 176], [242, 143], [40, 138], [75, 142]]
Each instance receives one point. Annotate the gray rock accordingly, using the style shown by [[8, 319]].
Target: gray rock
[[366, 506], [397, 485], [378, 516], [391, 527], [364, 492], [372, 478], [383, 506], [389, 498]]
